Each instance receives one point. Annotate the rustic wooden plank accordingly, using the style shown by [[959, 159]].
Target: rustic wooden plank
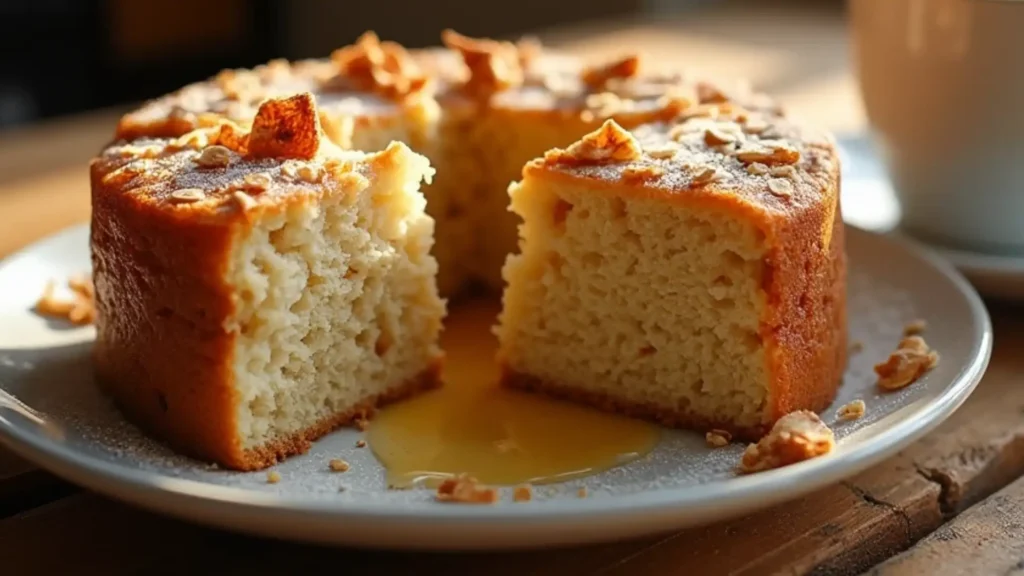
[[105, 537], [985, 539]]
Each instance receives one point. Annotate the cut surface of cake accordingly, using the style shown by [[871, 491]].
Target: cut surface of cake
[[691, 272], [257, 287]]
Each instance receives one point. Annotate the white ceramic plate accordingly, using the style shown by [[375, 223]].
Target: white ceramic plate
[[869, 202], [51, 413]]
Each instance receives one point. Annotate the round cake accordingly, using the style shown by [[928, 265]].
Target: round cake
[[680, 244]]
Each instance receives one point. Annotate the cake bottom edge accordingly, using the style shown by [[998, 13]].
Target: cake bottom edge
[[684, 420], [281, 448], [299, 442]]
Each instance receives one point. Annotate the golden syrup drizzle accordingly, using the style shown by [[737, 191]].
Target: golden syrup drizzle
[[499, 436]]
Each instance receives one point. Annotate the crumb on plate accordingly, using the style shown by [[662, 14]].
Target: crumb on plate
[[718, 438], [852, 410], [911, 359], [795, 437], [465, 489], [522, 493], [79, 309]]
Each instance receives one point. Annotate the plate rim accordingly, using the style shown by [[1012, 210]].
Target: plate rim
[[186, 498]]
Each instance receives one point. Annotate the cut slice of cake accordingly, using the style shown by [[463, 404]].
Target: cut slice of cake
[[257, 290], [690, 272]]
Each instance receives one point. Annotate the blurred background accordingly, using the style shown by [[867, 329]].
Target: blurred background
[[62, 57]]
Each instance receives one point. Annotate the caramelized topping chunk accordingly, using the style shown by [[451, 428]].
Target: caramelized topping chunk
[[795, 437], [911, 359], [383, 67], [286, 128], [597, 77], [852, 410], [609, 143], [493, 66]]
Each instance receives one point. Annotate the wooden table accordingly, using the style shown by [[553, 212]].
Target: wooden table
[[949, 504]]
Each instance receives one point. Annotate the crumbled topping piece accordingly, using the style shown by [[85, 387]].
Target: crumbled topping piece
[[581, 492], [529, 49], [715, 136], [286, 128], [915, 327], [522, 493], [768, 152], [383, 67], [493, 66], [605, 104], [856, 346], [187, 195], [465, 489], [215, 156], [80, 309], [706, 175], [784, 171], [597, 77], [718, 438], [755, 125], [360, 443], [795, 437], [664, 152], [757, 169], [781, 188], [642, 173], [911, 359], [243, 201], [273, 477], [609, 143], [256, 183], [852, 410], [338, 465]]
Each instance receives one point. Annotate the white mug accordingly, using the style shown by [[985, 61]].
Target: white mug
[[943, 86]]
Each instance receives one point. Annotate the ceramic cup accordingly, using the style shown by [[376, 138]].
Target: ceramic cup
[[943, 85]]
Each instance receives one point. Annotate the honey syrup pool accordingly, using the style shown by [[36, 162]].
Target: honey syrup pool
[[499, 436]]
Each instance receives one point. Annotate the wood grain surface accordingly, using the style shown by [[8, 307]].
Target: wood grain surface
[[947, 505]]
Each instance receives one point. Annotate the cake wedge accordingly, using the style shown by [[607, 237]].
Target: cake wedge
[[690, 272], [256, 289]]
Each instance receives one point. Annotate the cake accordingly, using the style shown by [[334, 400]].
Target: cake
[[691, 272], [681, 243], [256, 286], [479, 109]]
